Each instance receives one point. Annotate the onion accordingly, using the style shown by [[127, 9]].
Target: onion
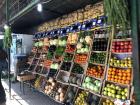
[[50, 80], [61, 95], [60, 90], [61, 99], [53, 83]]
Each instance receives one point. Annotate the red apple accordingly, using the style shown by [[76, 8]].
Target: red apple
[[121, 43], [130, 46]]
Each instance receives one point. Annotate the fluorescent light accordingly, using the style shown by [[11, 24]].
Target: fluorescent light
[[39, 7], [6, 26]]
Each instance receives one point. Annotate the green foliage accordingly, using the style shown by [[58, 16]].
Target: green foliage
[[117, 12], [7, 38]]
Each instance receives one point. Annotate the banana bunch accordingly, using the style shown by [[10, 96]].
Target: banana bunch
[[37, 82]]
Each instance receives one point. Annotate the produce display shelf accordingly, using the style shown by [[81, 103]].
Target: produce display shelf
[[47, 95], [74, 85], [121, 67], [124, 85], [95, 77], [100, 51], [125, 39], [65, 83], [97, 64], [83, 75], [112, 99], [122, 52], [90, 91]]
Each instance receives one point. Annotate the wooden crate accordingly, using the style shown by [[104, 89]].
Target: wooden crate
[[25, 78]]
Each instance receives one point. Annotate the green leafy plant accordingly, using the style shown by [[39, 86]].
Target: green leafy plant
[[7, 38], [117, 13]]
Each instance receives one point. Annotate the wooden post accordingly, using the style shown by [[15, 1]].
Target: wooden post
[[136, 48]]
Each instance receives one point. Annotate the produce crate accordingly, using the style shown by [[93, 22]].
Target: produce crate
[[120, 56], [63, 76], [71, 94], [23, 78], [103, 100], [93, 92], [116, 84]]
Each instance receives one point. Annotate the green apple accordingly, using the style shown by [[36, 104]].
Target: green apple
[[105, 93], [109, 94], [105, 88], [113, 91], [118, 96], [123, 93], [117, 87], [108, 85], [119, 92], [123, 98], [126, 94], [113, 95], [118, 61], [108, 89], [126, 90], [112, 86]]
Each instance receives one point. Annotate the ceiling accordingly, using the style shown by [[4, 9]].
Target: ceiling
[[53, 9]]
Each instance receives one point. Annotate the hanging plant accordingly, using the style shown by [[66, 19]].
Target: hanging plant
[[117, 13], [7, 38]]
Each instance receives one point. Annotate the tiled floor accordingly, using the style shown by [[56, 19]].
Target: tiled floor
[[30, 97]]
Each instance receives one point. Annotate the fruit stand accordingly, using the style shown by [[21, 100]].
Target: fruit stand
[[80, 62]]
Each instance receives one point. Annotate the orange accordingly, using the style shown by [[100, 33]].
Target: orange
[[116, 77], [119, 81], [119, 77], [112, 79], [120, 74], [112, 76], [113, 69], [127, 82], [109, 76], [128, 74], [115, 80], [113, 73], [109, 73], [124, 78], [123, 71], [123, 81], [128, 70], [128, 78], [124, 74], [109, 79]]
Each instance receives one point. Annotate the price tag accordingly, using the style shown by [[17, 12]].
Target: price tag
[[99, 21], [83, 26], [79, 27], [71, 28], [67, 30], [93, 23]]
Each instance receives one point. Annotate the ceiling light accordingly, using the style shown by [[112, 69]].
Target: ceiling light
[[6, 26], [39, 7]]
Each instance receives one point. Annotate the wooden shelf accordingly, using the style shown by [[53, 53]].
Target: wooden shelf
[[97, 64], [124, 39], [100, 51], [121, 67], [122, 52]]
